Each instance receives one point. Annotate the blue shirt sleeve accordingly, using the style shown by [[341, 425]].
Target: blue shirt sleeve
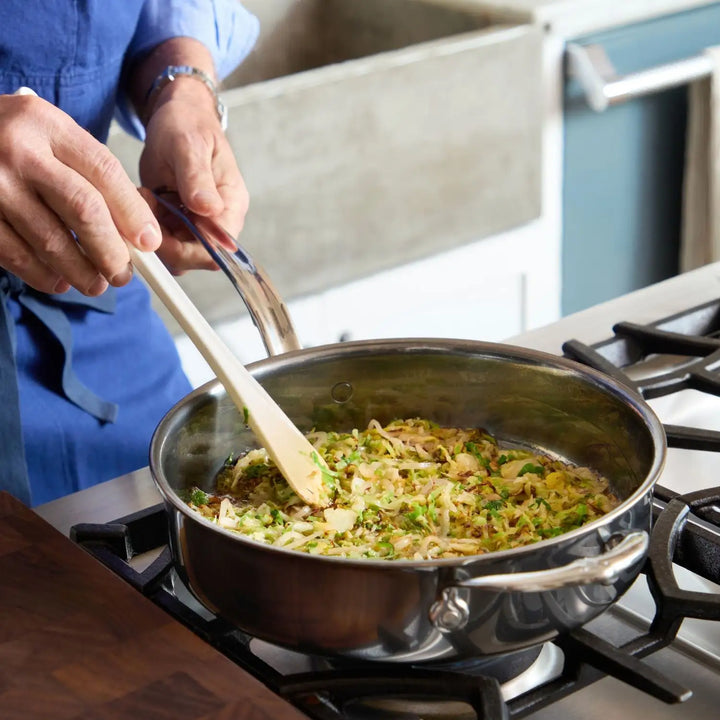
[[225, 27]]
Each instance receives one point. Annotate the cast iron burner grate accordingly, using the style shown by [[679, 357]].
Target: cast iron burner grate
[[686, 531], [679, 535], [687, 346]]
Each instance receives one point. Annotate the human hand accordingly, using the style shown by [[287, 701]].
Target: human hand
[[67, 207], [186, 150]]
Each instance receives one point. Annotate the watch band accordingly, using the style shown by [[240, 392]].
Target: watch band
[[171, 73]]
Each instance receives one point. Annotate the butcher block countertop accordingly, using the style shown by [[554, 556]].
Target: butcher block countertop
[[78, 642]]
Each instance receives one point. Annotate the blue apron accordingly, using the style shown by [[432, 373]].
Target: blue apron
[[83, 381]]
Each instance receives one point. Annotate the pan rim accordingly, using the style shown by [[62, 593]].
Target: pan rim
[[459, 347]]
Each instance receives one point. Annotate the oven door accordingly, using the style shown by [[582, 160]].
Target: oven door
[[624, 157]]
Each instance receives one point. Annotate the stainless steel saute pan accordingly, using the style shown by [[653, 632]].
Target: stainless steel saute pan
[[413, 611]]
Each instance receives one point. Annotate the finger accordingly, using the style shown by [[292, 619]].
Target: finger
[[49, 238], [180, 256], [67, 201], [237, 201], [81, 207], [21, 260], [196, 184], [179, 223], [161, 200], [231, 188], [130, 213]]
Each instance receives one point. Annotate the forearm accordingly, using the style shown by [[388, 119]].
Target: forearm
[[176, 51], [185, 146]]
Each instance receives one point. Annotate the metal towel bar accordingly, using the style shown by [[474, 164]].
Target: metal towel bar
[[603, 87]]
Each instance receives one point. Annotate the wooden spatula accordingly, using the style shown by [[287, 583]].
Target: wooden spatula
[[289, 449]]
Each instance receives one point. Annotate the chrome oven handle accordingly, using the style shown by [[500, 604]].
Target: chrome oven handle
[[603, 87]]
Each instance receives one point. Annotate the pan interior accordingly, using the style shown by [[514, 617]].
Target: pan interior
[[520, 399]]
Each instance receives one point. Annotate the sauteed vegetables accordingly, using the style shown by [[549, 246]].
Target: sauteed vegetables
[[409, 490]]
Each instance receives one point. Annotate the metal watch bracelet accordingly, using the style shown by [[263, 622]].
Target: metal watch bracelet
[[171, 73]]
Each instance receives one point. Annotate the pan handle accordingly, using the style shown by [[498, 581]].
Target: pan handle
[[267, 310], [451, 612]]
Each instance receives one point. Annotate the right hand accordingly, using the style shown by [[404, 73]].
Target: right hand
[[67, 207]]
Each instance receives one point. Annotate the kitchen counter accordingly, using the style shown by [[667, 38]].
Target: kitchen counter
[[76, 641], [570, 18], [642, 306]]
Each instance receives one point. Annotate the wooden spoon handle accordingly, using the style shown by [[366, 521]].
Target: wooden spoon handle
[[287, 446]]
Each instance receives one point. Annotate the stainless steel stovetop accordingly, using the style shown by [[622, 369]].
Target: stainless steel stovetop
[[693, 659]]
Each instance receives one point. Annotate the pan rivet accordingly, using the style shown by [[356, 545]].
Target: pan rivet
[[341, 392], [450, 613]]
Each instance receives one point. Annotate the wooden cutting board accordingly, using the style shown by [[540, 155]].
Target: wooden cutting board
[[77, 642]]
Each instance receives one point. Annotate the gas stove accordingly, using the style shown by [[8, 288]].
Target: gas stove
[[498, 687], [656, 651]]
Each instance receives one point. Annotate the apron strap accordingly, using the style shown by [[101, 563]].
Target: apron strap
[[48, 309], [14, 475]]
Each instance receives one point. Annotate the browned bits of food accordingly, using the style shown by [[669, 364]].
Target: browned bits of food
[[410, 490]]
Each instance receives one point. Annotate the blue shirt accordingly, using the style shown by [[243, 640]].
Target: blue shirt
[[71, 52], [85, 381]]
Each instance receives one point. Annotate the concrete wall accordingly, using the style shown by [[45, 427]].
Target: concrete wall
[[371, 134], [299, 35]]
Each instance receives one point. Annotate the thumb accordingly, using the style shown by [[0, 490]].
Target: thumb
[[196, 185]]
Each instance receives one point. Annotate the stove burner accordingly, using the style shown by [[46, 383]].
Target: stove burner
[[516, 675], [502, 668], [344, 690]]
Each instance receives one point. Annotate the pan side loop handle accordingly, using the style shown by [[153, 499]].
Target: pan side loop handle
[[451, 611], [267, 310]]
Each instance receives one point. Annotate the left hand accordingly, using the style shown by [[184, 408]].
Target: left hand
[[186, 150]]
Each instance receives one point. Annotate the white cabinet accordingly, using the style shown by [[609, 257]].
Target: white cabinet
[[487, 290]]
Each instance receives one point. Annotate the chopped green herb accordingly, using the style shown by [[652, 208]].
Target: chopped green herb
[[198, 497], [474, 450], [387, 548], [408, 490], [551, 532], [352, 459], [256, 470], [531, 468]]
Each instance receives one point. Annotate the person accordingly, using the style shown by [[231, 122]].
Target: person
[[87, 370]]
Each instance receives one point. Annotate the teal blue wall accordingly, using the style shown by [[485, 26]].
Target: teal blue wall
[[623, 168]]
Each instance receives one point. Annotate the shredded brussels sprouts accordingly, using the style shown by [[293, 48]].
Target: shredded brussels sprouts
[[409, 490]]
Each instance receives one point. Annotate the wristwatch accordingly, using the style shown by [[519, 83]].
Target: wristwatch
[[171, 73]]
